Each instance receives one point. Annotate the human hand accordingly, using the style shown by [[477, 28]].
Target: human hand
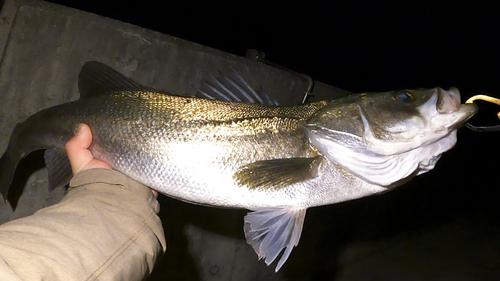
[[78, 151]]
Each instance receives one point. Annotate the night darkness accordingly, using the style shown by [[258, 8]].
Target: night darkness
[[355, 45], [365, 46]]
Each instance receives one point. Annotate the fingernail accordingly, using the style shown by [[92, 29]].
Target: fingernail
[[80, 129]]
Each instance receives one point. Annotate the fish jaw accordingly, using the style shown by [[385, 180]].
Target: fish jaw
[[442, 113], [412, 148], [445, 112]]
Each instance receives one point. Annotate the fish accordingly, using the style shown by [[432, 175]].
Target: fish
[[234, 148]]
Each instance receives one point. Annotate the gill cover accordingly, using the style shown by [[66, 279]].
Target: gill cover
[[384, 138]]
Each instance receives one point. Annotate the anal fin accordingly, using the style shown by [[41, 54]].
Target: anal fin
[[270, 230], [58, 167]]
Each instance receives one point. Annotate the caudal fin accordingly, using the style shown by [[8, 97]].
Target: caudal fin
[[58, 167], [7, 171]]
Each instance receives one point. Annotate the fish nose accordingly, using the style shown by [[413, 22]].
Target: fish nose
[[448, 101]]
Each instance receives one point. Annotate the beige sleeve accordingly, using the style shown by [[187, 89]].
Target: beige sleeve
[[105, 228]]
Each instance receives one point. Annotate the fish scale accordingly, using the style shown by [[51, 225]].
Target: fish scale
[[276, 161], [232, 141]]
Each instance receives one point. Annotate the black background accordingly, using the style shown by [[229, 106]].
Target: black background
[[367, 46], [355, 45]]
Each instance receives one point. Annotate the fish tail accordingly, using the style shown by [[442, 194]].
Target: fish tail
[[7, 171]]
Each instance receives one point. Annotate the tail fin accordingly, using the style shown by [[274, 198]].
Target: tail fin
[[7, 171]]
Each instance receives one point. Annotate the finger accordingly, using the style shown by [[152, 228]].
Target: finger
[[96, 164], [77, 148], [155, 193]]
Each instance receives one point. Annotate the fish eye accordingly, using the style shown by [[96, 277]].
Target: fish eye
[[404, 96]]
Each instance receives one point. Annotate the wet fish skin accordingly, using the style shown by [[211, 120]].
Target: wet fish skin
[[133, 131], [276, 161]]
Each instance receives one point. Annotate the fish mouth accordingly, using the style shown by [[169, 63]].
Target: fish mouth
[[448, 101], [448, 107]]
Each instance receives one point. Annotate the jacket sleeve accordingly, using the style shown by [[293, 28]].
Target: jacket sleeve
[[105, 228]]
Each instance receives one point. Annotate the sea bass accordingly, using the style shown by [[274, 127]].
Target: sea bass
[[276, 161]]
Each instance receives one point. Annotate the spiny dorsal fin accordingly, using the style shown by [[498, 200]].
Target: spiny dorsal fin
[[278, 173], [97, 78], [231, 87]]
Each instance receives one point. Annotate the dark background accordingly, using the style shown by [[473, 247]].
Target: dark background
[[368, 46], [354, 45]]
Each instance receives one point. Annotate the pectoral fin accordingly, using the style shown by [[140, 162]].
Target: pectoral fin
[[58, 168], [278, 173], [270, 230]]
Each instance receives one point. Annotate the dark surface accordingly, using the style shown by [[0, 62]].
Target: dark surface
[[355, 45], [440, 226]]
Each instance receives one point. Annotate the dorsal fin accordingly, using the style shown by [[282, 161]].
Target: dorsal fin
[[231, 87], [97, 78]]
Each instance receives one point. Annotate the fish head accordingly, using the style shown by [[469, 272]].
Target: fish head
[[384, 138]]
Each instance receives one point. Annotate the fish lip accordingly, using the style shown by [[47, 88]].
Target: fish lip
[[468, 109], [448, 101], [448, 106]]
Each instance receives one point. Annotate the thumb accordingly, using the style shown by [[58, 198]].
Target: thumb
[[77, 148]]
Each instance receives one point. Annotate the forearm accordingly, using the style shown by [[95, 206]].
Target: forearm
[[106, 228]]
